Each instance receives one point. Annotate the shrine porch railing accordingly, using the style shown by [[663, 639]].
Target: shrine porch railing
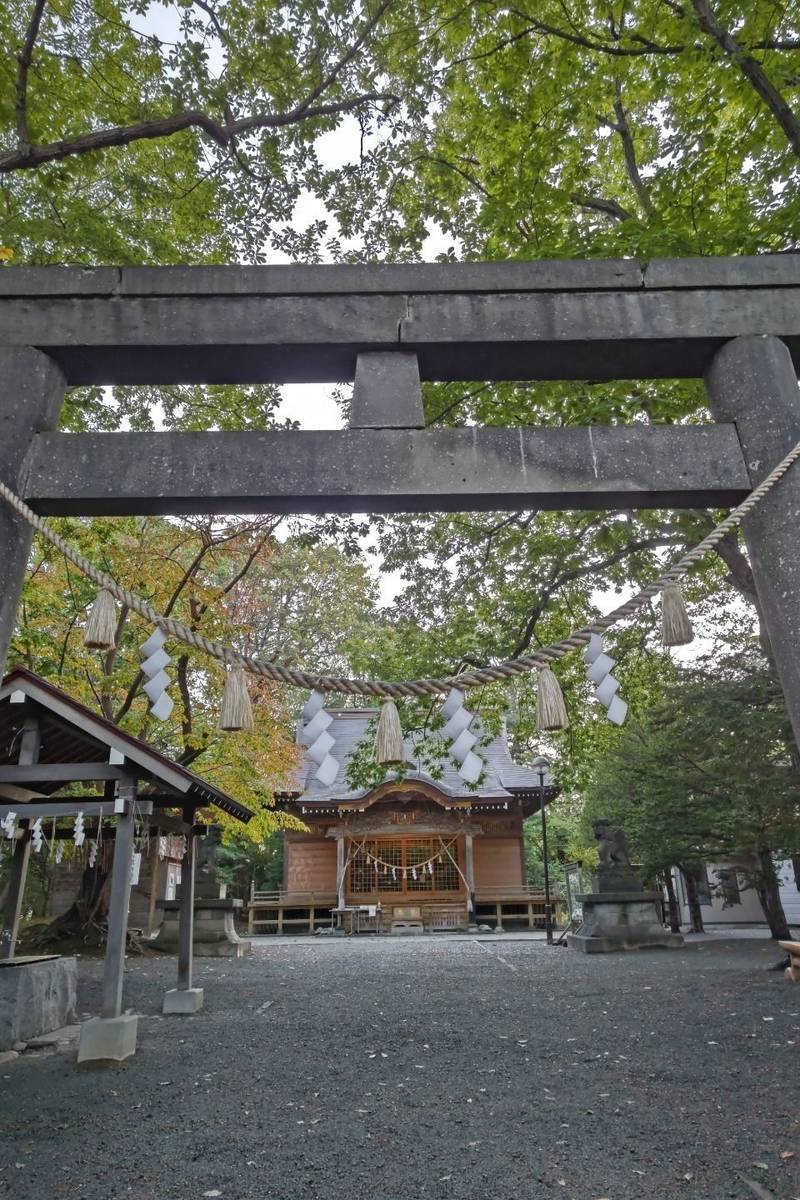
[[281, 910]]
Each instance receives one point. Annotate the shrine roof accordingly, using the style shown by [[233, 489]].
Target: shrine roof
[[73, 733], [502, 777]]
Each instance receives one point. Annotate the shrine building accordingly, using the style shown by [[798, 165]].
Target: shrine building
[[413, 853]]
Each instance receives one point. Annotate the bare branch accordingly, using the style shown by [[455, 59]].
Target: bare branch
[[576, 573], [24, 59], [222, 134], [212, 16], [643, 46], [348, 56], [609, 208], [752, 70], [624, 130]]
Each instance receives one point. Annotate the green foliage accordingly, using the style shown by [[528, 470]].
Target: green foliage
[[707, 773], [243, 862], [566, 842], [236, 582], [422, 722]]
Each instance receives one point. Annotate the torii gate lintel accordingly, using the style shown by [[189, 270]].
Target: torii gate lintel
[[735, 321]]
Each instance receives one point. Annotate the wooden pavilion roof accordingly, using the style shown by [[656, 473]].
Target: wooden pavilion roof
[[73, 733]]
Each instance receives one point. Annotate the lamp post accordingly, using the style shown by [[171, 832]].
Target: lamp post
[[541, 767]]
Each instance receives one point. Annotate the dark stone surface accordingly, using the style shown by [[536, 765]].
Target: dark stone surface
[[31, 394], [754, 383], [508, 1068], [536, 275], [617, 878], [364, 470], [471, 321], [387, 392]]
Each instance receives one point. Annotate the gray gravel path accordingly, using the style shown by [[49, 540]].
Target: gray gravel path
[[398, 1069]]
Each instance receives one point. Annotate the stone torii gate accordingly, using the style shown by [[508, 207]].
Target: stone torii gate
[[733, 321]]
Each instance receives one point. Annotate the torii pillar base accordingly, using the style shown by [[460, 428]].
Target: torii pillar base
[[108, 1039], [182, 1001]]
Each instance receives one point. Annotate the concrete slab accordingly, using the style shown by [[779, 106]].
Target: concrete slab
[[183, 1000], [108, 1039], [67, 1033]]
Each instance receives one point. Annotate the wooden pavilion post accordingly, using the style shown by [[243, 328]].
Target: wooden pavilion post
[[469, 872], [119, 903], [340, 871], [30, 743], [17, 872], [185, 998], [112, 1035]]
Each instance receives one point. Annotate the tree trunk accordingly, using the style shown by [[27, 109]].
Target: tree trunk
[[693, 897], [83, 918], [768, 890], [672, 903]]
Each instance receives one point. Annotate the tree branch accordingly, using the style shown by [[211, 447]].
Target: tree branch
[[752, 70], [644, 45], [609, 208], [222, 134], [576, 573], [24, 59], [624, 130]]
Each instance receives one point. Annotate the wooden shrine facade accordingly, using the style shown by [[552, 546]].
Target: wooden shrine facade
[[414, 848]]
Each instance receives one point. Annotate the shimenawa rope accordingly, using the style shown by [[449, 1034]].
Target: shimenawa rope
[[410, 687]]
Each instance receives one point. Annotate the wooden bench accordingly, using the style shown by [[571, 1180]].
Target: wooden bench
[[406, 919], [793, 969]]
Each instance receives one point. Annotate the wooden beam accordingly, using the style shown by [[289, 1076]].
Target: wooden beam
[[386, 470], [70, 806], [81, 772]]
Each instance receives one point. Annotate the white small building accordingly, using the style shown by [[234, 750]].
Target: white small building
[[726, 897]]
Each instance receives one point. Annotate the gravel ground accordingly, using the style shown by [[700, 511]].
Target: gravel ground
[[460, 1070]]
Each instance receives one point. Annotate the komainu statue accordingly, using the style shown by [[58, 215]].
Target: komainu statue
[[612, 845]]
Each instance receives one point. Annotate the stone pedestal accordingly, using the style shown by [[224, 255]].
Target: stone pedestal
[[183, 1001], [108, 1039], [620, 915], [214, 932], [37, 995]]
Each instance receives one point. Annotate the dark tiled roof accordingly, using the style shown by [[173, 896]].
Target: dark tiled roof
[[502, 777], [74, 733]]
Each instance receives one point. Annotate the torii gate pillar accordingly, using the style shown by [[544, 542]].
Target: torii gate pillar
[[752, 382], [32, 390]]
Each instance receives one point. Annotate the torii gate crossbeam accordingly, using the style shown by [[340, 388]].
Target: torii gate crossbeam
[[733, 321]]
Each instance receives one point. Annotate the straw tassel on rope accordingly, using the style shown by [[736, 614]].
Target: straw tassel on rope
[[389, 749], [676, 628], [236, 711], [101, 625], [551, 711]]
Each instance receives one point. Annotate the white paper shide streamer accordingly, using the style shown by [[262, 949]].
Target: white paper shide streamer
[[606, 686], [155, 660], [457, 728], [319, 742], [37, 835], [78, 831]]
